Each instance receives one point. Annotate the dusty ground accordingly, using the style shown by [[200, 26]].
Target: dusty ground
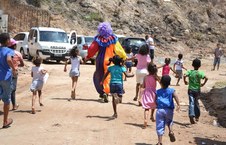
[[88, 120]]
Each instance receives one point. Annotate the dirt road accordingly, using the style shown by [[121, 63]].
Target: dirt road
[[88, 121]]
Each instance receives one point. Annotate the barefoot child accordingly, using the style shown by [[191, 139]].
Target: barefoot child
[[116, 81], [165, 109], [178, 66], [75, 60], [17, 62], [166, 67], [37, 73], [148, 94], [195, 76]]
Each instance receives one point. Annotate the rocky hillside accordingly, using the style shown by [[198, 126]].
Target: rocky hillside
[[179, 24]]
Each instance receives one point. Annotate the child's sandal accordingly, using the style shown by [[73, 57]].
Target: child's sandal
[[152, 119], [172, 137]]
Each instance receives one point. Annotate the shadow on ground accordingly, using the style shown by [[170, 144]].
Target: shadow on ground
[[129, 103], [215, 102], [26, 111], [142, 144], [206, 141], [78, 99], [107, 118], [182, 124], [135, 124]]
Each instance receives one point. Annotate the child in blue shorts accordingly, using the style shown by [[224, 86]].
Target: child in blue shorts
[[7, 71], [165, 109], [116, 81]]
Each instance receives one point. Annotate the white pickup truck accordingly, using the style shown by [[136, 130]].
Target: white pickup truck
[[48, 43]]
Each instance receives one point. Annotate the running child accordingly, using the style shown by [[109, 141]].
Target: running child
[[129, 62], [7, 70], [149, 92], [165, 109], [38, 74], [116, 81], [17, 62], [166, 67], [143, 59], [75, 60], [178, 66], [194, 86]]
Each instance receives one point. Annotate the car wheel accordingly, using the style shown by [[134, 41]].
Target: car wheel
[[58, 61], [29, 55], [37, 53], [23, 53], [93, 61]]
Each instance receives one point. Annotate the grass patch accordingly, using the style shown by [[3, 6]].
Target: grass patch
[[94, 17], [198, 36]]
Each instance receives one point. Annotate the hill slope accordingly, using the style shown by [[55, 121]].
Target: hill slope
[[195, 23]]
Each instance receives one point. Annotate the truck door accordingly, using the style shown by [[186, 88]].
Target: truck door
[[30, 43], [73, 38], [33, 43]]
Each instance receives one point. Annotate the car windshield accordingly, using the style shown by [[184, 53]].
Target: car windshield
[[89, 40], [53, 36], [136, 42]]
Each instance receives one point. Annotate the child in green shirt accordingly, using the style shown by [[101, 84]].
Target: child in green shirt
[[195, 76]]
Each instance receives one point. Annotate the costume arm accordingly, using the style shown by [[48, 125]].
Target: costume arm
[[120, 51], [94, 47]]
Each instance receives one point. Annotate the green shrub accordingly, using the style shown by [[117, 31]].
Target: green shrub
[[94, 17]]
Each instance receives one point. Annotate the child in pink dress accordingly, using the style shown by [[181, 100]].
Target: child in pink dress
[[149, 92], [166, 67]]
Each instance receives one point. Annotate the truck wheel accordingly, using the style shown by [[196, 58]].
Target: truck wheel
[[29, 55], [37, 53], [22, 52], [93, 61], [58, 61]]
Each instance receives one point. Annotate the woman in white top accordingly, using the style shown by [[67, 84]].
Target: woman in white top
[[37, 73], [75, 65]]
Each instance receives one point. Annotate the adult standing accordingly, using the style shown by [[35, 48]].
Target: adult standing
[[6, 72], [217, 56], [151, 44]]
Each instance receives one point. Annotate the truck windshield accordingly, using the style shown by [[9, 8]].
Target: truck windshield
[[89, 40], [53, 36]]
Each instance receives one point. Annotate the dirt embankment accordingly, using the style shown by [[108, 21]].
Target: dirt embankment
[[180, 25]]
